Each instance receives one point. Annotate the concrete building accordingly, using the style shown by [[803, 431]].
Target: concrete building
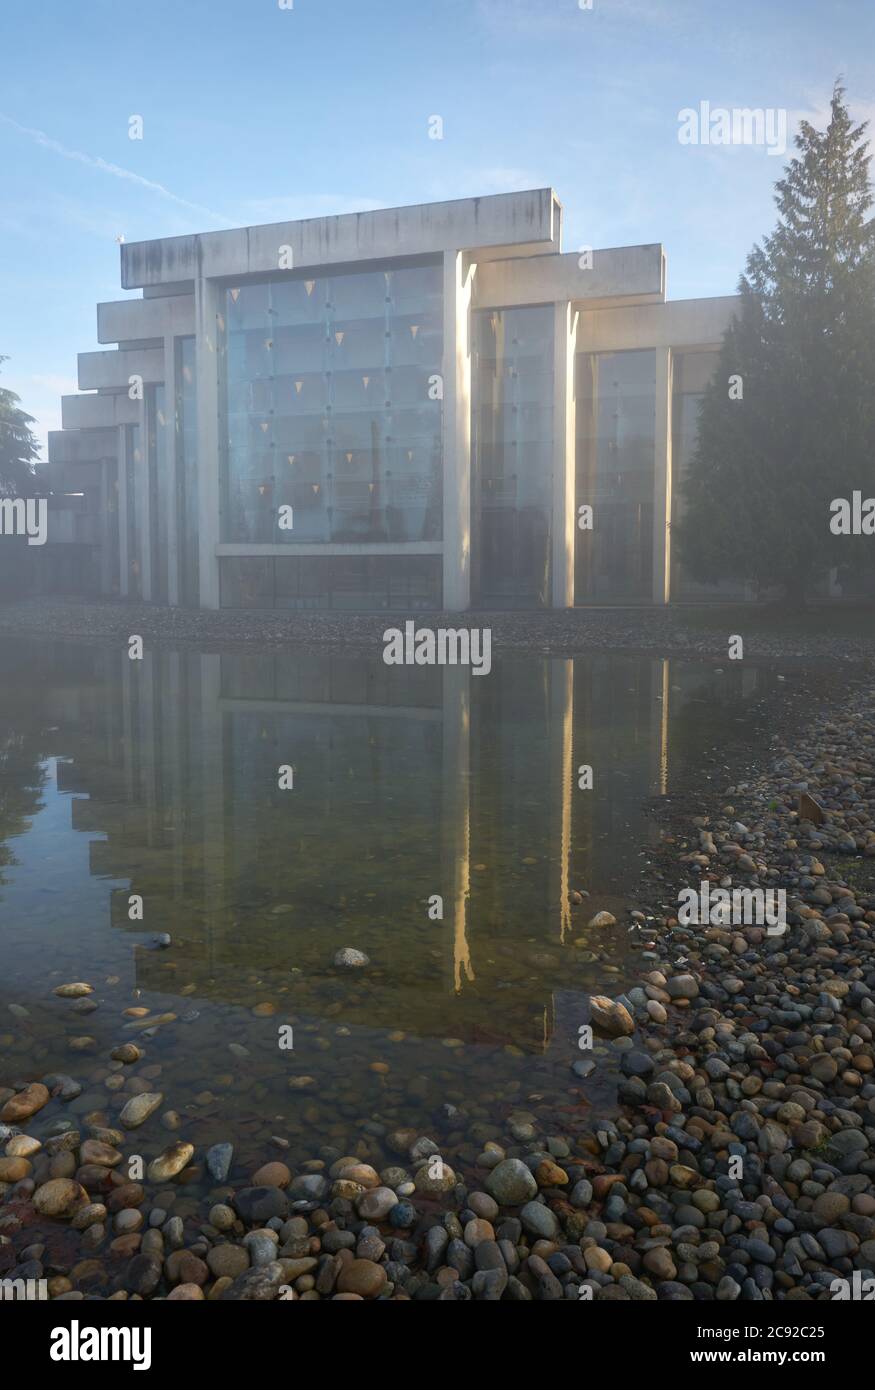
[[395, 410]]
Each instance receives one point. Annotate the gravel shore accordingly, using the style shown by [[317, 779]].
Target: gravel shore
[[578, 630], [736, 1165]]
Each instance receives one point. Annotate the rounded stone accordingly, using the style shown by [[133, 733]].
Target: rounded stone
[[511, 1183], [60, 1197], [228, 1261], [362, 1277], [376, 1204], [272, 1175]]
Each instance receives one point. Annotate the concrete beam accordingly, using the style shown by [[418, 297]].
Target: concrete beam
[[235, 548], [98, 411], [681, 324], [425, 229], [112, 371], [627, 272], [64, 477], [81, 446], [131, 320]]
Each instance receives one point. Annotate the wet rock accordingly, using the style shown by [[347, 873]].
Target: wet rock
[[511, 1183], [350, 959], [171, 1162], [60, 1197], [24, 1104], [137, 1110]]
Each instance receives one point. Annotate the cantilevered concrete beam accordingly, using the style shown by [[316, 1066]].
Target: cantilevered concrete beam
[[532, 218], [627, 273], [82, 446], [129, 320], [112, 371], [681, 324], [98, 411]]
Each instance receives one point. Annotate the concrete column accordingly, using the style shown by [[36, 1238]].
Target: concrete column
[[105, 526], [144, 502], [171, 519], [564, 343], [662, 482], [206, 306], [458, 281], [124, 573]]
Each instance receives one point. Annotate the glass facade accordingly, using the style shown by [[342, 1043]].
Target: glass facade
[[186, 473], [326, 391], [366, 583], [691, 372], [615, 455], [512, 456]]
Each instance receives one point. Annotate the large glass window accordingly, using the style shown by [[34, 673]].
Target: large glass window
[[691, 372], [364, 583], [328, 392], [186, 473], [512, 456], [616, 422]]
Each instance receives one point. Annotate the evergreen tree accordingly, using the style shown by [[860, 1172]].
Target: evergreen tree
[[18, 447], [757, 496]]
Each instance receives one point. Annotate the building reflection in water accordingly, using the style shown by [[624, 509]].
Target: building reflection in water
[[408, 783]]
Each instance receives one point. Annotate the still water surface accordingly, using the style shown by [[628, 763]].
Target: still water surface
[[160, 778]]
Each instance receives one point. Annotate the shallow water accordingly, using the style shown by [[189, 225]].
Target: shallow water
[[159, 778]]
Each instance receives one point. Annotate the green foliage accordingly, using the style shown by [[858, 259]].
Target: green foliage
[[757, 496], [18, 447]]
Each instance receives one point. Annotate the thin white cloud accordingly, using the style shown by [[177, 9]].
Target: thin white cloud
[[39, 137]]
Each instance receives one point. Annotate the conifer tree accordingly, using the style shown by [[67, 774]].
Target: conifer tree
[[768, 464]]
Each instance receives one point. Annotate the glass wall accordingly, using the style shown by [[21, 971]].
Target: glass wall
[[186, 473], [512, 457], [367, 583], [616, 419], [159, 489], [133, 521], [326, 387], [691, 372]]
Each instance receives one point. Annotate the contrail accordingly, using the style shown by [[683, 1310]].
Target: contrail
[[95, 162]]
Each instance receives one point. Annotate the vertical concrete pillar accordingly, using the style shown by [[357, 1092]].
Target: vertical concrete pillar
[[662, 480], [171, 519], [564, 344], [105, 526], [142, 473], [124, 568], [458, 280], [206, 307]]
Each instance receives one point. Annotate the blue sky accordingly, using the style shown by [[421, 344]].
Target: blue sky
[[253, 113]]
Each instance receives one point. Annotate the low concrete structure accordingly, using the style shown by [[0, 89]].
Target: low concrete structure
[[415, 408]]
